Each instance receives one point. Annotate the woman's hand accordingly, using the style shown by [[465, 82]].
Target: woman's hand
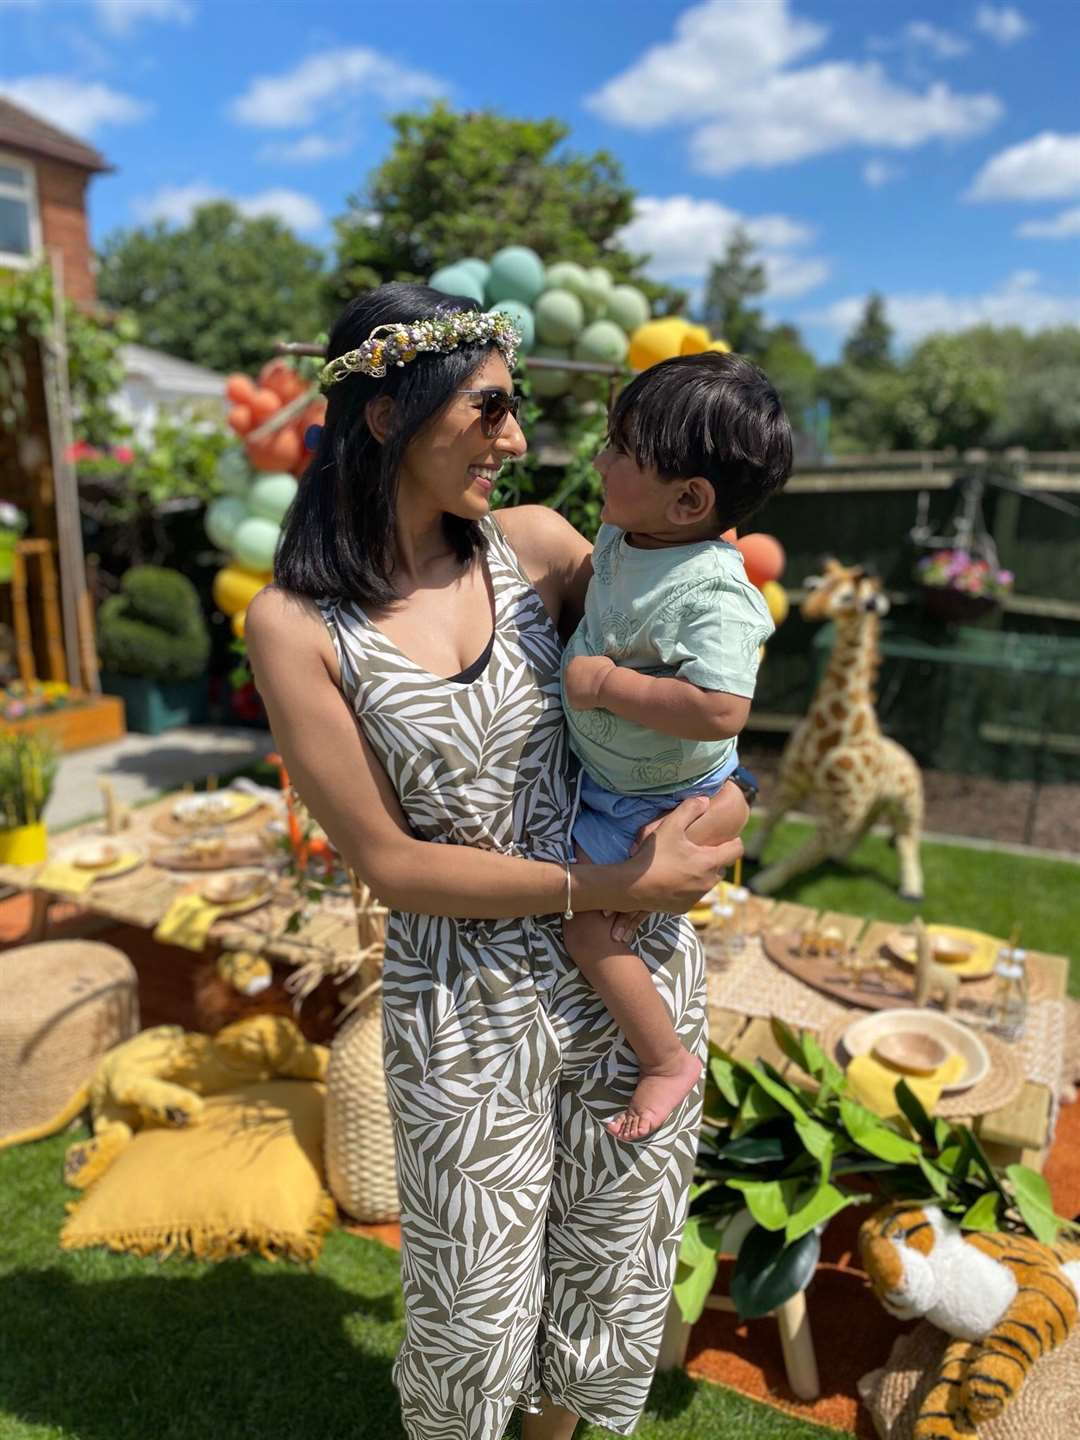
[[584, 679], [667, 872]]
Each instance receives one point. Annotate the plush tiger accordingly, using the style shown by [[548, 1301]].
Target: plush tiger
[[1006, 1300]]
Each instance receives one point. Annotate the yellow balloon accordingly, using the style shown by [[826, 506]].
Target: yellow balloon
[[238, 624], [720, 346], [761, 654], [234, 587], [695, 340], [657, 340], [777, 601]]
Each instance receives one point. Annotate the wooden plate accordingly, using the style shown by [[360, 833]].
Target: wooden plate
[[215, 807], [238, 889], [862, 1036], [128, 857], [981, 950]]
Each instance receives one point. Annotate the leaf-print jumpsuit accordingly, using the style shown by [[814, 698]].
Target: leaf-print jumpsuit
[[538, 1253]]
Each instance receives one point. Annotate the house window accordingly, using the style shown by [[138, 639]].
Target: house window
[[19, 230]]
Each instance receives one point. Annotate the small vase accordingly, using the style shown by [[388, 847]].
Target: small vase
[[24, 845]]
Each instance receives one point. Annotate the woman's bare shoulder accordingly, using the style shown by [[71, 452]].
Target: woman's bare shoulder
[[544, 539], [278, 618]]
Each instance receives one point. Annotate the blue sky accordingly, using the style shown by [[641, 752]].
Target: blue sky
[[928, 150]]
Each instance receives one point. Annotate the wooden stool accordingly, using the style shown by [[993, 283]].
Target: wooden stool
[[796, 1341], [63, 1003]]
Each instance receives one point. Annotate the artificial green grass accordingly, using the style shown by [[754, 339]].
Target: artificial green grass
[[96, 1346], [982, 889]]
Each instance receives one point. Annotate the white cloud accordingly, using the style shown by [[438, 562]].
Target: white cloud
[[1061, 227], [307, 150], [175, 205], [1046, 167], [684, 236], [728, 73], [76, 105], [326, 83], [1019, 301], [942, 43], [1003, 23], [879, 172], [120, 17]]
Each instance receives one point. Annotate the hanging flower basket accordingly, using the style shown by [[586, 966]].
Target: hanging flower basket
[[954, 607], [957, 587]]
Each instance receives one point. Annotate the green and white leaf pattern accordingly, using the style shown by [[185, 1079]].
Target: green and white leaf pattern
[[538, 1253]]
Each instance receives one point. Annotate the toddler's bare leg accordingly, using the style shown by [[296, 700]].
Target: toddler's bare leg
[[622, 980], [728, 812]]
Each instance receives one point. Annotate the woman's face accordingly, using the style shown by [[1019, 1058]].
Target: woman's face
[[452, 464]]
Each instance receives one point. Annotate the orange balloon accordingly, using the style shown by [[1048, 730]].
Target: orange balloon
[[280, 451], [731, 536], [763, 556], [282, 379], [241, 419], [263, 404], [240, 389]]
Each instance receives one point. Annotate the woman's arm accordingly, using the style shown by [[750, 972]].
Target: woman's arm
[[555, 557], [347, 790]]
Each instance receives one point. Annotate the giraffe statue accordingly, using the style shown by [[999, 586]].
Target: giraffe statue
[[837, 757]]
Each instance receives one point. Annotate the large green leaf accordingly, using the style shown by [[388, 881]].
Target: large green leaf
[[761, 1146], [693, 1285], [939, 1182], [915, 1113], [821, 1205], [770, 1271], [776, 1088], [875, 1137], [723, 1074], [1034, 1203], [977, 1155], [820, 1142], [983, 1215], [769, 1201], [756, 1106]]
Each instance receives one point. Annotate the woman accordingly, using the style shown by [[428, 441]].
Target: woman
[[408, 655]]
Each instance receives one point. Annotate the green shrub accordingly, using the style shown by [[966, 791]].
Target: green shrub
[[27, 770], [154, 627]]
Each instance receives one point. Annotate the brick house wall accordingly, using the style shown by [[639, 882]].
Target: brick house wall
[[61, 196]]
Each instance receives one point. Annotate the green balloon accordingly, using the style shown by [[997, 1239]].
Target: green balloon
[[233, 471], [600, 277], [549, 383], [628, 307], [520, 312], [222, 517], [254, 543], [567, 275], [480, 268], [456, 280], [602, 341], [560, 317], [271, 496], [517, 273]]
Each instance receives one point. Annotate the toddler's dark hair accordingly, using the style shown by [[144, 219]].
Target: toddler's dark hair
[[712, 414]]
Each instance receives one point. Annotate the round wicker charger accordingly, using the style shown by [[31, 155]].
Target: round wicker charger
[[1003, 1084]]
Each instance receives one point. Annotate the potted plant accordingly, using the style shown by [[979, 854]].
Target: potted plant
[[12, 525], [957, 586], [27, 771], [154, 645]]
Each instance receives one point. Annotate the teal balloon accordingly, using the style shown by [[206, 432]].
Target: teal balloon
[[271, 496], [233, 472], [254, 543], [602, 341], [567, 275], [549, 383], [480, 268], [457, 280], [560, 317], [517, 273], [520, 312], [222, 517], [628, 307]]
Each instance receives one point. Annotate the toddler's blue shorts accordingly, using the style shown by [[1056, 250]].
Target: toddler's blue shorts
[[607, 823]]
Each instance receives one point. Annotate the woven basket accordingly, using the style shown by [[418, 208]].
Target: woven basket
[[63, 1003], [359, 1131]]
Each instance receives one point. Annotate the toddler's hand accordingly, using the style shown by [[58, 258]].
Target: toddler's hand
[[584, 677]]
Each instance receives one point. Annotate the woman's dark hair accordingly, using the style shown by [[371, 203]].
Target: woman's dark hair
[[338, 537], [712, 414]]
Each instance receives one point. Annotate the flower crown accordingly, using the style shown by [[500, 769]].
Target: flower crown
[[400, 342]]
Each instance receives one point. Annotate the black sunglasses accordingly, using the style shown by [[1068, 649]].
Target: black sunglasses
[[494, 407]]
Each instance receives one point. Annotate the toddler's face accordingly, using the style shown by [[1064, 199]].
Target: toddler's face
[[634, 499]]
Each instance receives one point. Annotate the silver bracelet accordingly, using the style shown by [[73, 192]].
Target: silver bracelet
[[568, 913]]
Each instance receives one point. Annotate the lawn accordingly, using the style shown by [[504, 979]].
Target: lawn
[[983, 889], [95, 1346]]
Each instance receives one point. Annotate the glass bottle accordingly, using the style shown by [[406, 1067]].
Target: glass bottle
[[1010, 993]]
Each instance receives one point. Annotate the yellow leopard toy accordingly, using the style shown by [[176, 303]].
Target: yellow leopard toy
[[1006, 1299], [158, 1076]]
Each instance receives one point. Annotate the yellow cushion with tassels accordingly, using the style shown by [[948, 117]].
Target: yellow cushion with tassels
[[247, 1177]]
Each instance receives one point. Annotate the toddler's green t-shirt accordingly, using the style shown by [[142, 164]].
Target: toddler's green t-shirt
[[684, 610]]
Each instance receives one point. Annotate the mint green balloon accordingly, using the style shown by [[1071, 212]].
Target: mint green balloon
[[520, 312], [600, 277], [456, 280], [560, 317], [595, 295], [233, 471], [602, 341], [271, 496], [549, 383], [480, 268], [567, 275], [517, 273], [628, 307], [222, 517], [254, 543]]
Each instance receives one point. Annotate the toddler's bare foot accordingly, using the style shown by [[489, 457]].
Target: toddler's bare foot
[[656, 1096]]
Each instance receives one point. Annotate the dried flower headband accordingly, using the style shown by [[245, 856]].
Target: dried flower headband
[[400, 342]]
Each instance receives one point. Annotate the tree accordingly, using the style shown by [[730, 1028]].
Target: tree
[[467, 184], [941, 398], [793, 370], [732, 282], [217, 291], [869, 343]]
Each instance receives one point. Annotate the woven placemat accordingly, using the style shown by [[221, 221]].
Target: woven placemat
[[1003, 1084], [750, 984]]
